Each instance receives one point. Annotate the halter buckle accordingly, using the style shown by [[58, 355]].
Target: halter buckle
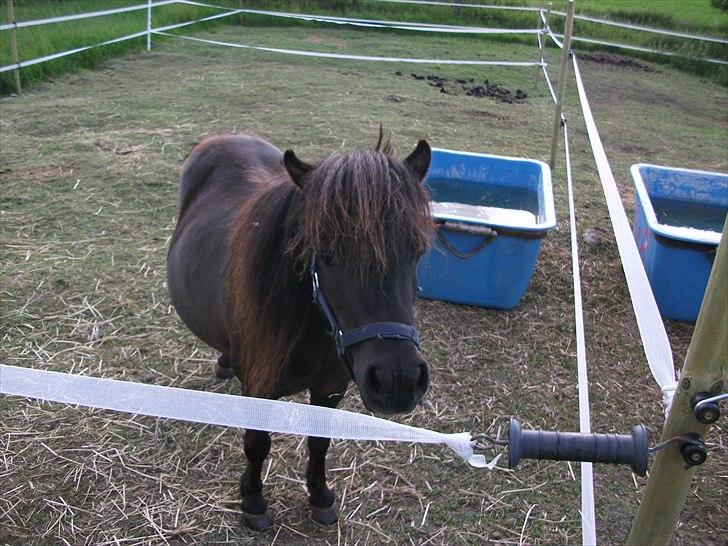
[[339, 342], [315, 281]]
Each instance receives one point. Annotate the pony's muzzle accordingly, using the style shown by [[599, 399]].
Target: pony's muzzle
[[392, 381]]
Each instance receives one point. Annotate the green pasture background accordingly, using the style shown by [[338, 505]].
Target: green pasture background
[[696, 16]]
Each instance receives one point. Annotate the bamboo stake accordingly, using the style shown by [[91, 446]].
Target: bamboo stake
[[563, 71], [14, 45], [705, 369]]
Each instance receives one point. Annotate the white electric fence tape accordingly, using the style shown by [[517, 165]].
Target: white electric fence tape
[[548, 30], [461, 5], [69, 52], [548, 83], [588, 525], [223, 409], [539, 38], [86, 15], [352, 57], [645, 50], [560, 45], [563, 14], [108, 42], [375, 23], [652, 330], [652, 30]]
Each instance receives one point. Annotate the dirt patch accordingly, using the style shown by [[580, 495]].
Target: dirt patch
[[616, 60], [471, 87]]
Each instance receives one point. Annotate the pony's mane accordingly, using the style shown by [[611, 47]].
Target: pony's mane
[[263, 287], [356, 207]]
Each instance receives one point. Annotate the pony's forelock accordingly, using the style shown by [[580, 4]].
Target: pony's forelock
[[361, 208]]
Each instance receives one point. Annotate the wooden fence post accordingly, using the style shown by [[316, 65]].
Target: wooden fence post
[[14, 45], [705, 370], [563, 71]]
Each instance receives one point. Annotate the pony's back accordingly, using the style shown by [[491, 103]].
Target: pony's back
[[223, 161], [215, 184]]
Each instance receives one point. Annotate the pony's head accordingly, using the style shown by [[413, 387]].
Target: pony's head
[[364, 217]]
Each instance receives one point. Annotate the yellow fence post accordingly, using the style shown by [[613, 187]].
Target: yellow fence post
[[705, 370]]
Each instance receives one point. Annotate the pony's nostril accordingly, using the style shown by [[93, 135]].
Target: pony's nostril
[[423, 380], [372, 378]]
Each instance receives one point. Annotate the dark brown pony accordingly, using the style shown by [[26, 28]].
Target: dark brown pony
[[251, 222]]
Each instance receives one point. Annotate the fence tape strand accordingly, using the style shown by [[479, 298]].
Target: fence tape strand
[[563, 14], [644, 49], [588, 525], [223, 409], [45, 58], [652, 330], [160, 30], [462, 5], [548, 83], [376, 23], [631, 26], [352, 57], [86, 15]]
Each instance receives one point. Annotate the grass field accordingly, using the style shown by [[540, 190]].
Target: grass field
[[689, 15], [44, 40], [694, 16], [89, 198]]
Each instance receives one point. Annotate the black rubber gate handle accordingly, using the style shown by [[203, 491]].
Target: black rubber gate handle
[[630, 449]]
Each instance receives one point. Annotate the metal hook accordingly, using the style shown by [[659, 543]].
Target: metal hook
[[486, 442]]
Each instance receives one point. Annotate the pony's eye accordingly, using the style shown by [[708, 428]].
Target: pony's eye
[[327, 259]]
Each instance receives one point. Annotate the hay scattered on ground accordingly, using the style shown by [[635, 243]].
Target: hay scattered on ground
[[85, 225]]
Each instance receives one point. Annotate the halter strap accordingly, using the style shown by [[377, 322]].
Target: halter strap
[[343, 340]]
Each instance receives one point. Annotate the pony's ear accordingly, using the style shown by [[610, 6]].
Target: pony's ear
[[296, 168], [419, 160]]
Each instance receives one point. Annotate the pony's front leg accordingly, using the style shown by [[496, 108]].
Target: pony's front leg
[[255, 507], [320, 496]]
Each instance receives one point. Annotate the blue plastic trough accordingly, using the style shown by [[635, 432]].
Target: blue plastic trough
[[492, 213], [679, 215]]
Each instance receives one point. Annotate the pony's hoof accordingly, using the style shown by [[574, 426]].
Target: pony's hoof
[[223, 372], [325, 516], [258, 522]]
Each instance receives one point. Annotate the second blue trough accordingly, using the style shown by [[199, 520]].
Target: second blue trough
[[679, 216], [492, 212]]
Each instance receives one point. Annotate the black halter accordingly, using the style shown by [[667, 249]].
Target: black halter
[[343, 340]]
